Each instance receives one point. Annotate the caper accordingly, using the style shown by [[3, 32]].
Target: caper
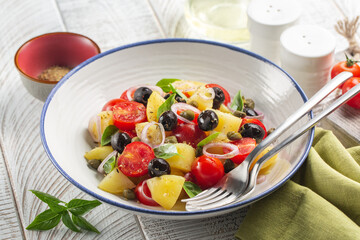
[[188, 114], [171, 139], [129, 194], [239, 114], [199, 151], [94, 163], [249, 103], [270, 131], [194, 103], [233, 135], [228, 165], [135, 139]]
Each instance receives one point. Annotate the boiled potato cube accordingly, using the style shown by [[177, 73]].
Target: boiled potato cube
[[188, 86], [116, 182], [184, 160], [154, 102], [153, 134], [165, 190], [227, 122], [203, 104], [99, 153], [106, 119]]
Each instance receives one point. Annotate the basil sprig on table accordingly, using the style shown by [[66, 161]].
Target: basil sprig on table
[[108, 132], [166, 151], [166, 106], [191, 189], [237, 103], [60, 210], [164, 83], [208, 139]]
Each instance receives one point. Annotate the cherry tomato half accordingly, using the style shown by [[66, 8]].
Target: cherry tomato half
[[124, 94], [143, 194], [110, 104], [189, 133], [254, 121], [245, 145], [355, 101], [207, 171], [226, 93], [134, 160], [126, 114], [349, 65]]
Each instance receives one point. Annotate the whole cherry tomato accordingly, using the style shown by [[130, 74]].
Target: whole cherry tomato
[[110, 104], [355, 101], [127, 114], [134, 160], [189, 133], [245, 146], [207, 171], [254, 121], [226, 93], [349, 65], [143, 194]]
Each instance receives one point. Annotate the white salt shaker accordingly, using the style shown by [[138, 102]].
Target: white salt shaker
[[267, 19], [307, 54]]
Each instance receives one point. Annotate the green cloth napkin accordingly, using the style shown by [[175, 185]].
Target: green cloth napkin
[[322, 201]]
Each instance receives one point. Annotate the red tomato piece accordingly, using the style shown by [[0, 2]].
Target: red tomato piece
[[143, 194], [350, 83], [255, 121], [245, 146], [226, 93], [126, 114], [189, 133], [134, 160], [124, 94], [207, 171], [110, 104], [349, 65]]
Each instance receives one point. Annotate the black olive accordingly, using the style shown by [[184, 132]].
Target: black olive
[[169, 120], [208, 120], [158, 167], [167, 96], [219, 97], [250, 112], [228, 165], [179, 99], [142, 95], [253, 131], [119, 140]]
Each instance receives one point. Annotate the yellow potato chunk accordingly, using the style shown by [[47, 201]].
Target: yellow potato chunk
[[184, 160], [227, 122], [166, 189], [188, 86], [199, 95], [106, 119], [99, 153], [116, 182], [154, 102], [224, 109]]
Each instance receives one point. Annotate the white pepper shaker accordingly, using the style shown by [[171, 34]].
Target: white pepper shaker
[[267, 19], [307, 54]]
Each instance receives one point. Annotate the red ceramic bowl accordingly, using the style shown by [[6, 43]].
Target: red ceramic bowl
[[51, 49]]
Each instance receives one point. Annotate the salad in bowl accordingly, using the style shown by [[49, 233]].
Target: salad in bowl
[[158, 144]]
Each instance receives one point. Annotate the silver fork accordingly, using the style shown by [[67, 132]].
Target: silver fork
[[235, 185]]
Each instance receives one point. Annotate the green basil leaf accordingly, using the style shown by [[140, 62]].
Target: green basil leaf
[[191, 189], [45, 221], [174, 90], [166, 151], [51, 201], [208, 139], [81, 222], [164, 83], [166, 106], [237, 103], [66, 219], [109, 165], [108, 132], [80, 206]]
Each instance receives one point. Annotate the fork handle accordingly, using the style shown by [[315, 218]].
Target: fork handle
[[304, 109], [336, 104]]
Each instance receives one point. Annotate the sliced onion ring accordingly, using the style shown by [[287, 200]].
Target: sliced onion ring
[[100, 169], [234, 150], [133, 89], [183, 106], [144, 132], [260, 115], [97, 121], [209, 90]]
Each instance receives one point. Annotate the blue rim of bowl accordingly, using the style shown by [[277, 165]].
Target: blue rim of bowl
[[162, 212]]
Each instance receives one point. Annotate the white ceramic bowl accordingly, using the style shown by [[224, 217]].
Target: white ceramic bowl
[[83, 92]]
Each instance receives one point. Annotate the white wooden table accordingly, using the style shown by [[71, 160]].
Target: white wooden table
[[111, 23]]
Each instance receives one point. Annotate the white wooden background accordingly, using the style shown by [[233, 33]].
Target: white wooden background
[[111, 23]]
